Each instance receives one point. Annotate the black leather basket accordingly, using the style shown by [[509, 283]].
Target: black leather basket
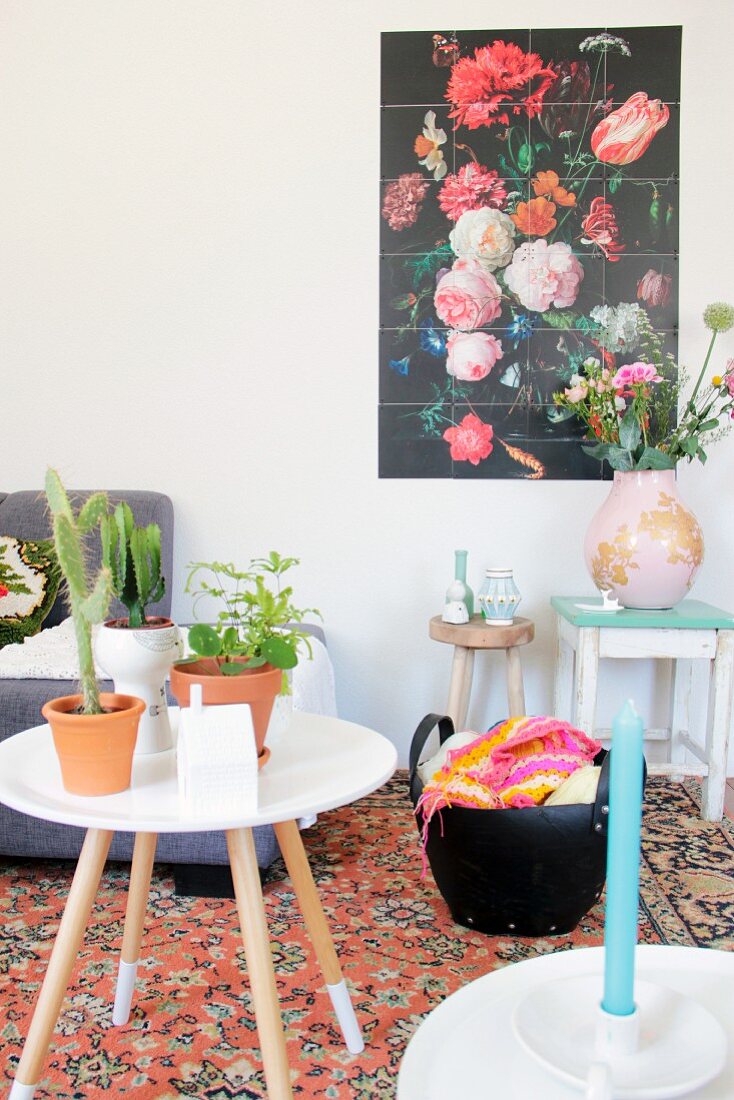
[[528, 872]]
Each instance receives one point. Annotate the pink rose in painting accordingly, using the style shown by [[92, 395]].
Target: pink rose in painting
[[635, 374], [542, 275], [470, 441], [471, 355], [468, 296], [624, 135], [654, 288]]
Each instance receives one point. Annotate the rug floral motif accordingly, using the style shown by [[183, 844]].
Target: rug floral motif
[[192, 1032]]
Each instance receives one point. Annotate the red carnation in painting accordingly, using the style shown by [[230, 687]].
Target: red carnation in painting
[[402, 201], [472, 187], [600, 228], [471, 441], [480, 88]]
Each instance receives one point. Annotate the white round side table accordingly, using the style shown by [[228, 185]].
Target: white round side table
[[468, 1045], [316, 765]]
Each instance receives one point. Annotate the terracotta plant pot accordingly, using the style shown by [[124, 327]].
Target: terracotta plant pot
[[138, 659], [258, 688], [95, 750]]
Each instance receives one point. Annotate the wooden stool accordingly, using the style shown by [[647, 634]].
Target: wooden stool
[[477, 635]]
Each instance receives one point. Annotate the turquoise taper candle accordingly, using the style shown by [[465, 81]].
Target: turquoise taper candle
[[623, 862]]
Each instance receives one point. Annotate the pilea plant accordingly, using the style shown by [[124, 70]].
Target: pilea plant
[[133, 556], [88, 597], [255, 626]]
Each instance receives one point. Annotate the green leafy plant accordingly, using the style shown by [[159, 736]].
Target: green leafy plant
[[133, 556], [631, 415], [89, 597], [255, 625]]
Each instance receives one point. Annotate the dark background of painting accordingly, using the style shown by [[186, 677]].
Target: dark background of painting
[[411, 85]]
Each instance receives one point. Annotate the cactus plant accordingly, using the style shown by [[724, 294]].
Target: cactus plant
[[133, 556], [88, 597]]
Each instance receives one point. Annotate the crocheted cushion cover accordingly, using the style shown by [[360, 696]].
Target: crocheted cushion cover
[[517, 763]]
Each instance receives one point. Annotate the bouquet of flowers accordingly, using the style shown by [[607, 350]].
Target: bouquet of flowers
[[631, 414]]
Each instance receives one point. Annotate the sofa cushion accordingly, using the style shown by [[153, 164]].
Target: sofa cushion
[[30, 570]]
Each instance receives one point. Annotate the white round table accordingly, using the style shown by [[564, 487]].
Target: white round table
[[317, 764], [468, 1046]]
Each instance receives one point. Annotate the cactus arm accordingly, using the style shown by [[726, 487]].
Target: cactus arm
[[141, 571], [153, 532], [58, 501], [94, 606], [71, 558], [108, 533], [87, 677], [92, 512], [121, 549]]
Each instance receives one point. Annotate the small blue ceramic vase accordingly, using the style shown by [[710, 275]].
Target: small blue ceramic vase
[[499, 597]]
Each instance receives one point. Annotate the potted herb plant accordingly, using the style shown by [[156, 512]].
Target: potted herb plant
[[137, 651], [244, 655], [94, 732], [644, 544]]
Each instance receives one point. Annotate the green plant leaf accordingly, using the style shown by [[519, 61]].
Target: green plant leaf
[[629, 431], [204, 640], [560, 318], [232, 668], [690, 446], [652, 459], [279, 652]]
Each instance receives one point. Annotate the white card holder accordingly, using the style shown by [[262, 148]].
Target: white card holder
[[216, 759]]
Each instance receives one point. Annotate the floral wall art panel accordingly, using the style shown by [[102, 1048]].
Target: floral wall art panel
[[528, 222]]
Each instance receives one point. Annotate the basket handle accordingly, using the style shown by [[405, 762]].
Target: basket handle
[[600, 816], [421, 735]]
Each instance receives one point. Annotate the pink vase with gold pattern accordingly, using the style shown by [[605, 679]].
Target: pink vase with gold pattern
[[643, 543]]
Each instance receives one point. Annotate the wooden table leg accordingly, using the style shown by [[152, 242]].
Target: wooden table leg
[[563, 681], [63, 956], [515, 686], [296, 860], [251, 910], [587, 673], [680, 708], [137, 900], [462, 669], [721, 705]]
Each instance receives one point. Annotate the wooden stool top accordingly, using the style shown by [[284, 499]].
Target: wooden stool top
[[476, 634]]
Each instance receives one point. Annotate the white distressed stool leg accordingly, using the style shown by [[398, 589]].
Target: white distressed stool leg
[[680, 710], [137, 900], [462, 669], [587, 673], [563, 683], [515, 686], [299, 870], [721, 706]]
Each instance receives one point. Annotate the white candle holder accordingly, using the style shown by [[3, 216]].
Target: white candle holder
[[669, 1046]]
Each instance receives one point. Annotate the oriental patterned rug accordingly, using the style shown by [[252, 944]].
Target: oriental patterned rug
[[192, 1032]]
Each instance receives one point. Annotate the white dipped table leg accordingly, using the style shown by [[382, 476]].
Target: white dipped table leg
[[344, 1010], [124, 992], [21, 1092]]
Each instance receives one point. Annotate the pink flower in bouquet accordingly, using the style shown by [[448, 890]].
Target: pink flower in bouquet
[[468, 296], [577, 392], [543, 274], [471, 355], [473, 186], [729, 379], [403, 199], [635, 374], [624, 135], [471, 441], [654, 288]]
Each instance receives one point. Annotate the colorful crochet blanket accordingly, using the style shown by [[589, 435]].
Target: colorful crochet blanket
[[517, 763]]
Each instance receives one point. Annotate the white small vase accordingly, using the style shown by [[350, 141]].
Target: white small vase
[[138, 660]]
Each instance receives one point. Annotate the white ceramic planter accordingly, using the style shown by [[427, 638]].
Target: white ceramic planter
[[138, 662]]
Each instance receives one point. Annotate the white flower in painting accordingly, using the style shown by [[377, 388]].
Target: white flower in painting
[[427, 146], [618, 326], [486, 235]]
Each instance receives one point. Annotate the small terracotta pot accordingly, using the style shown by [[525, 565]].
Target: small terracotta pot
[[95, 750], [258, 688]]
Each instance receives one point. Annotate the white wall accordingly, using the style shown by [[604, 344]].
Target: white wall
[[188, 294]]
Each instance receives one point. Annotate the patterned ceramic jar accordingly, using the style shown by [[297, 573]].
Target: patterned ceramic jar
[[499, 597]]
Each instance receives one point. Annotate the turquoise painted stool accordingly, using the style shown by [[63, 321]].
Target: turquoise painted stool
[[692, 631]]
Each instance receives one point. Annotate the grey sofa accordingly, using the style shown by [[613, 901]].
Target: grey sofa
[[24, 515]]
